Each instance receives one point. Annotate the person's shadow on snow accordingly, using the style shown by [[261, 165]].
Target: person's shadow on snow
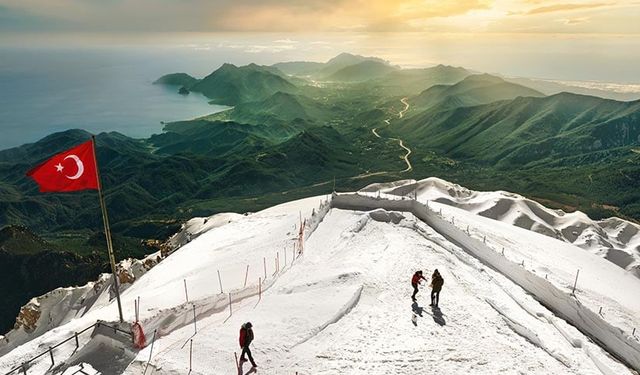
[[417, 309], [437, 316], [252, 370]]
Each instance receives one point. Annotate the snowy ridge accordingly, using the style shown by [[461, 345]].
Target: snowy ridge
[[615, 239], [196, 226], [344, 306], [168, 320], [619, 343], [527, 333]]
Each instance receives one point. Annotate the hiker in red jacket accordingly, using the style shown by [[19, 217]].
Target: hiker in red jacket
[[246, 336], [415, 280]]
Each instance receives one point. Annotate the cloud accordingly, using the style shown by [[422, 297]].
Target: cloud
[[445, 16], [239, 15], [575, 21], [565, 7]]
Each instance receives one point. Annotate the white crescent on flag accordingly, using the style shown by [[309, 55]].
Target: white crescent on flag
[[80, 167]]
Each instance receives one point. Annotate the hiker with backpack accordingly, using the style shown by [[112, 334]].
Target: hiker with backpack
[[246, 337], [436, 286]]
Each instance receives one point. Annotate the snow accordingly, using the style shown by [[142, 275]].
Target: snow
[[566, 305], [343, 306], [615, 239], [63, 305]]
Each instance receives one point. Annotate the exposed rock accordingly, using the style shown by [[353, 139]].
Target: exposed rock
[[28, 317]]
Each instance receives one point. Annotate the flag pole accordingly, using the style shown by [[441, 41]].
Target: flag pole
[[107, 230]]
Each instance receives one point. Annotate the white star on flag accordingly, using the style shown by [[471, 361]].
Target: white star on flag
[[59, 167]]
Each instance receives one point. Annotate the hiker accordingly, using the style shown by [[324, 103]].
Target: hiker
[[436, 287], [246, 336], [415, 280]]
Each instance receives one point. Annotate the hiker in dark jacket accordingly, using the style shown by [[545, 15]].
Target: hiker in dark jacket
[[436, 287], [246, 336], [415, 280]]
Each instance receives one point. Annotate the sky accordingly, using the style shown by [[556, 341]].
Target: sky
[[477, 16], [586, 39]]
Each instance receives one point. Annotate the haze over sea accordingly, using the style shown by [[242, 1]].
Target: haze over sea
[[101, 84], [45, 91]]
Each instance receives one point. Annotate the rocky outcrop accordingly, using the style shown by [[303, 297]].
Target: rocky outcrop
[[28, 317], [61, 305]]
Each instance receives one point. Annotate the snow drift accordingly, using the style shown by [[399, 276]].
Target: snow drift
[[615, 239]]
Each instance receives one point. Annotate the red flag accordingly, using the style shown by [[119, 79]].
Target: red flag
[[71, 170]]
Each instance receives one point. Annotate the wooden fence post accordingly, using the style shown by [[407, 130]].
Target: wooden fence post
[[220, 282], [246, 275], [186, 293], [575, 283], [293, 254], [195, 327], [190, 354]]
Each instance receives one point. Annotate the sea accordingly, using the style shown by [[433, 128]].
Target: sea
[[50, 85], [47, 90]]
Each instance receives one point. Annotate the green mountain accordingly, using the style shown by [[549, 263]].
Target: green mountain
[[231, 85], [413, 81], [217, 139], [363, 71], [342, 61], [18, 239], [32, 267], [176, 79], [287, 114], [473, 90], [528, 130], [299, 68], [325, 70]]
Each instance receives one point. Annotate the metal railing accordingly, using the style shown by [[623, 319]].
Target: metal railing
[[24, 366]]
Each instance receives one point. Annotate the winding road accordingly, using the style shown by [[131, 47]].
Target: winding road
[[400, 142], [375, 132], [406, 108]]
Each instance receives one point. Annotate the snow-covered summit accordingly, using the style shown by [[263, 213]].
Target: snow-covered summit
[[339, 301]]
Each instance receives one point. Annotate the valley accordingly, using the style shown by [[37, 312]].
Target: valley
[[301, 129]]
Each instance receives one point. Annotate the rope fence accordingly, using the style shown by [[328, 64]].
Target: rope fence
[[192, 310]]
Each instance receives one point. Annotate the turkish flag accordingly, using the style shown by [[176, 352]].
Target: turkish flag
[[71, 170]]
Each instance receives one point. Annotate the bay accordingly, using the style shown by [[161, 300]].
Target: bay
[[43, 91]]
